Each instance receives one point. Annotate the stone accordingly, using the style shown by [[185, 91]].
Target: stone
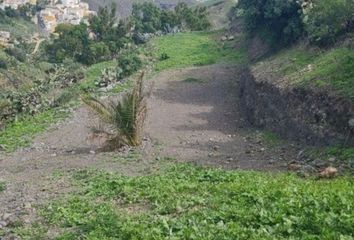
[[329, 172], [272, 161], [351, 123], [231, 38], [216, 148], [223, 38], [6, 216], [3, 224], [294, 167]]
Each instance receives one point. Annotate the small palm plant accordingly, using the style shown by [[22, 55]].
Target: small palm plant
[[126, 116]]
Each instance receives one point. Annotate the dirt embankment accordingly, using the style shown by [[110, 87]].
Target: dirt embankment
[[298, 113]]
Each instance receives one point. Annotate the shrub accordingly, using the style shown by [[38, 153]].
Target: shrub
[[164, 56], [325, 20], [3, 64], [128, 64], [17, 53]]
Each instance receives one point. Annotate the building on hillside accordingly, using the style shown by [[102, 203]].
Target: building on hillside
[[16, 3], [67, 11]]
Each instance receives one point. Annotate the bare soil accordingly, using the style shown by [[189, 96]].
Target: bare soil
[[193, 116]]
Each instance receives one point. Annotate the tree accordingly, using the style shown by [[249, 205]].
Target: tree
[[72, 41], [102, 24], [325, 20], [277, 21], [146, 17]]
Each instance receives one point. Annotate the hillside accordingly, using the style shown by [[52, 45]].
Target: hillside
[[125, 6], [218, 10], [200, 131]]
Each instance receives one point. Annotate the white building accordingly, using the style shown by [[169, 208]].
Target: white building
[[16, 3], [64, 11]]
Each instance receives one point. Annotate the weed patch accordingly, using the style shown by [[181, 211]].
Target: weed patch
[[2, 186], [188, 202]]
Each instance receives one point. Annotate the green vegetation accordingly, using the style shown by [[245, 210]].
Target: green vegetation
[[149, 18], [125, 116], [275, 21], [339, 153], [2, 186], [332, 69], [188, 202], [18, 28], [20, 133], [284, 22], [74, 41], [94, 72], [325, 20], [193, 49], [270, 138]]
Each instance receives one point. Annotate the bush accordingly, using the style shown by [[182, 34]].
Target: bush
[[17, 53], [325, 20], [128, 64], [3, 64], [164, 56]]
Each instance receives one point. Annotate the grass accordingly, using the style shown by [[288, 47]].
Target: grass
[[187, 202], [330, 70], [193, 49], [334, 69], [21, 132]]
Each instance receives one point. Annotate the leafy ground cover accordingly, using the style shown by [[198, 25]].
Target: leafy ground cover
[[187, 202], [332, 69], [193, 49], [20, 133]]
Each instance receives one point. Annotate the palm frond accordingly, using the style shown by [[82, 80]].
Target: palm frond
[[127, 116], [104, 112]]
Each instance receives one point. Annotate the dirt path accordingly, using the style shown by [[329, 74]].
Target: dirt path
[[193, 117], [38, 44]]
